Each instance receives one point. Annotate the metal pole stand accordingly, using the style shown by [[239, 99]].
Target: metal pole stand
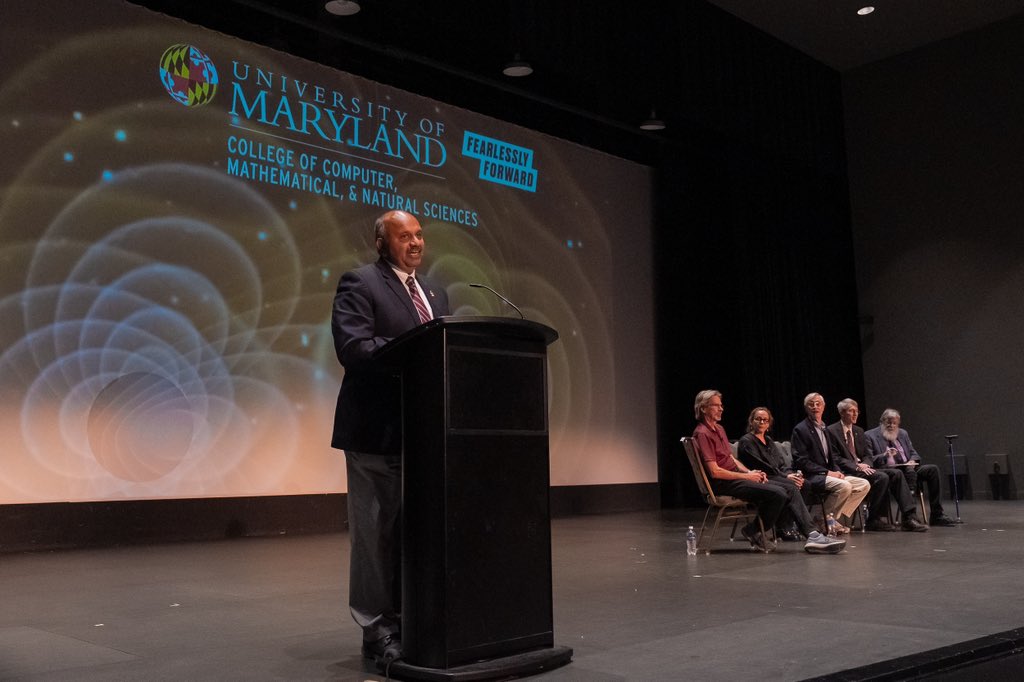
[[952, 464]]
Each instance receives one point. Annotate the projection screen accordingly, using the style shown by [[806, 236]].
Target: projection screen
[[176, 207]]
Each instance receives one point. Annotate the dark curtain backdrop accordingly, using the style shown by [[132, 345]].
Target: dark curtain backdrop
[[756, 296]]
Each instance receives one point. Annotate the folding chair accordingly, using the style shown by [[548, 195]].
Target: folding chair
[[727, 507]]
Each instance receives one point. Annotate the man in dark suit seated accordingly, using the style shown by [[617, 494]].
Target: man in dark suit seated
[[374, 304], [882, 481], [819, 455], [889, 447]]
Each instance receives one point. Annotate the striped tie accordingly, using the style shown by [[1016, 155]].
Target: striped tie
[[421, 307]]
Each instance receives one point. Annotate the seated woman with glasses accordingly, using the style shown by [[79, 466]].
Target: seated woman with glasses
[[756, 449]]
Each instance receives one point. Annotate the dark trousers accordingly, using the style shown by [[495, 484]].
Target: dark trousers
[[927, 474], [374, 527], [900, 491], [878, 496], [769, 498], [796, 509]]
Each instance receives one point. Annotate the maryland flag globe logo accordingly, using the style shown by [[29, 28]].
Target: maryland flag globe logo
[[188, 74]]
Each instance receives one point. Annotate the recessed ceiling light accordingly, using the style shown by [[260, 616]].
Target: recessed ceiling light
[[342, 8], [864, 11]]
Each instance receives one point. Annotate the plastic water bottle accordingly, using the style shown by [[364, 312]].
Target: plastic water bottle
[[831, 523], [863, 518], [691, 542]]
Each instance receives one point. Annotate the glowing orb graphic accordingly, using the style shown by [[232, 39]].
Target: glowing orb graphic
[[188, 75]]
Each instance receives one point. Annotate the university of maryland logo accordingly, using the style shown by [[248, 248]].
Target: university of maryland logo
[[188, 75]]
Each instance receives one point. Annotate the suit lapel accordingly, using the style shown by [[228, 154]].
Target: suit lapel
[[858, 443], [817, 441], [398, 289], [904, 440]]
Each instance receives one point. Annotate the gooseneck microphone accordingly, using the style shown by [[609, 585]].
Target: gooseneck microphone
[[514, 307]]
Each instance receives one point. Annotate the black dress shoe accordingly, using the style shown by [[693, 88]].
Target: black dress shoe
[[913, 525], [789, 535], [387, 648], [942, 520], [756, 538]]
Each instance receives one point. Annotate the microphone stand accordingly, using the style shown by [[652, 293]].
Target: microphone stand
[[952, 464], [514, 306]]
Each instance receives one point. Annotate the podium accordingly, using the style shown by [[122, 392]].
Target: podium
[[476, 527]]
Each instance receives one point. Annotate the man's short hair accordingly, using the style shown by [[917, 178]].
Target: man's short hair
[[809, 397], [702, 400], [845, 404]]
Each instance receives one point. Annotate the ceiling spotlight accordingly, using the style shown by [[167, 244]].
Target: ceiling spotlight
[[864, 11], [517, 67], [342, 8], [652, 123]]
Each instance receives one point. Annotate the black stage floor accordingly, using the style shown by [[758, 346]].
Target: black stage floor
[[628, 600]]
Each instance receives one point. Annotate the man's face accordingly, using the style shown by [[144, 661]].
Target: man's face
[[849, 415], [815, 408], [891, 424], [404, 238], [713, 410]]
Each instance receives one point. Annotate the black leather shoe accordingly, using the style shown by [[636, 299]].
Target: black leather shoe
[[913, 525], [789, 535], [387, 648], [942, 520], [756, 538], [879, 526]]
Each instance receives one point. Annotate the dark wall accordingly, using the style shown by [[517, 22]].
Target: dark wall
[[937, 184]]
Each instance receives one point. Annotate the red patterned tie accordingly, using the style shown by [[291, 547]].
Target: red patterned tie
[[849, 442], [421, 307]]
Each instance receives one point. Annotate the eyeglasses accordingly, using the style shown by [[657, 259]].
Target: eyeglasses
[[761, 420]]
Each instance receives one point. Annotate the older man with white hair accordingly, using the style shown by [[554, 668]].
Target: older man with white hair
[[889, 446]]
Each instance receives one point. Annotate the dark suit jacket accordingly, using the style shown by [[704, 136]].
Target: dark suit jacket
[[371, 307], [860, 444], [877, 445], [812, 460]]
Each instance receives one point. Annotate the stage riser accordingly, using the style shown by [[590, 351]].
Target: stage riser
[[34, 527]]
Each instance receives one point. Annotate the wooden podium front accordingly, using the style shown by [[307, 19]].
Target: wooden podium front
[[476, 526]]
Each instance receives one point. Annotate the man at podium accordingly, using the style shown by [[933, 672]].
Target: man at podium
[[374, 304]]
